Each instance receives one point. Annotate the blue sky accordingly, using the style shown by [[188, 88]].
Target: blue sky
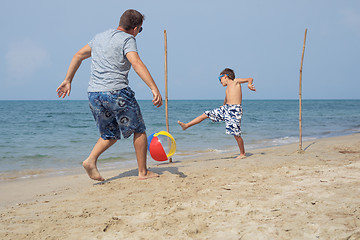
[[259, 39]]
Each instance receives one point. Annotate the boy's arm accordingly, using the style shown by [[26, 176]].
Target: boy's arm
[[145, 75], [65, 87], [248, 80]]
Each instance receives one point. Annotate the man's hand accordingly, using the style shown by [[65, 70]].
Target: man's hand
[[157, 99], [64, 89]]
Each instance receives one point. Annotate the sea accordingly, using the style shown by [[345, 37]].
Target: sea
[[39, 138]]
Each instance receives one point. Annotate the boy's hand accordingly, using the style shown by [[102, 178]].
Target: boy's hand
[[251, 87], [157, 99]]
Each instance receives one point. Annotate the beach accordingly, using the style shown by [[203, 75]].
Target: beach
[[275, 193]]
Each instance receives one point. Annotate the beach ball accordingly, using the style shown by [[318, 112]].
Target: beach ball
[[161, 145]]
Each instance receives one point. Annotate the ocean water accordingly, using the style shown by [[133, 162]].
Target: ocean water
[[56, 136]]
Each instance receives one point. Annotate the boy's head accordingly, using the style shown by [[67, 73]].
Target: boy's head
[[229, 72]]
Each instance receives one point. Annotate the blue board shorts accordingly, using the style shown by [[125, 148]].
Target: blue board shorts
[[230, 114], [115, 112]]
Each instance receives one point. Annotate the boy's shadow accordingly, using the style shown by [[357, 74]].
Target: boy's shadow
[[134, 173], [230, 157]]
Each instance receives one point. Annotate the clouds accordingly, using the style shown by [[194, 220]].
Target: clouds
[[259, 39], [24, 58], [351, 19]]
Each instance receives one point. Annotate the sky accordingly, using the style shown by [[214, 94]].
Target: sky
[[260, 39]]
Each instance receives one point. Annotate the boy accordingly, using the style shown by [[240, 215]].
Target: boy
[[111, 101], [231, 111]]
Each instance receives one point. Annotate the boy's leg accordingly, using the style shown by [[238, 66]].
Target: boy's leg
[[240, 143], [140, 145], [193, 122], [90, 163]]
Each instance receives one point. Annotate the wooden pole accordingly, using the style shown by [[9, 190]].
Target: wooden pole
[[166, 91], [300, 102]]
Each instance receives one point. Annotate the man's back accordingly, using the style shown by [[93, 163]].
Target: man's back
[[109, 66]]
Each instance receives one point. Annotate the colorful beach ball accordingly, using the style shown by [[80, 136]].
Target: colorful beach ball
[[161, 145]]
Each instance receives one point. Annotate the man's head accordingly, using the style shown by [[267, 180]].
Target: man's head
[[130, 20]]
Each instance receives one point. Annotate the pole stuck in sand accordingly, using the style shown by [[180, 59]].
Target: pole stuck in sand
[[166, 90], [300, 102]]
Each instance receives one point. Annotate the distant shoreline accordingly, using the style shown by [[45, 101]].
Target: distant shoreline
[[290, 99]]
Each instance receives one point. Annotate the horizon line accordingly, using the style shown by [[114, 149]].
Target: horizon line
[[259, 99]]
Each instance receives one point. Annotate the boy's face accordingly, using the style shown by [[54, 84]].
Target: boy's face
[[223, 79]]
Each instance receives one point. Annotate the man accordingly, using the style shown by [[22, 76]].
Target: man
[[111, 100]]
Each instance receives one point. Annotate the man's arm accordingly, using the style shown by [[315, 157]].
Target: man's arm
[[65, 87], [248, 80], [145, 75]]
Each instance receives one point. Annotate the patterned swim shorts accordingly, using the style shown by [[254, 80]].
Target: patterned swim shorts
[[230, 114], [116, 111]]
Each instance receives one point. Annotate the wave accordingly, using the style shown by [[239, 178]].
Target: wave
[[23, 174], [37, 156]]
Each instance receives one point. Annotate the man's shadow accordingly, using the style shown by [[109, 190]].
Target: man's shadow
[[134, 173]]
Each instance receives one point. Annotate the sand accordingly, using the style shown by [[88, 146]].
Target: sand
[[275, 193]]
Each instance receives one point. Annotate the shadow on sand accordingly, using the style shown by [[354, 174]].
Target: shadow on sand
[[134, 173]]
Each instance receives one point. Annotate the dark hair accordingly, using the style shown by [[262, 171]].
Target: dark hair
[[131, 19], [229, 72]]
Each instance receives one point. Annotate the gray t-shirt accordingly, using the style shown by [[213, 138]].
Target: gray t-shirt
[[109, 65]]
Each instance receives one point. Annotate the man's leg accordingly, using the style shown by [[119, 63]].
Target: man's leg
[[140, 145], [90, 163], [240, 143], [193, 122]]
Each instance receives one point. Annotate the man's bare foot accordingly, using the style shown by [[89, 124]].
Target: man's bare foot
[[242, 156], [148, 174], [92, 170], [183, 125]]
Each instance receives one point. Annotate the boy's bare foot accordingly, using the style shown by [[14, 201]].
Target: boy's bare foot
[[149, 174], [92, 170], [183, 125], [242, 156]]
